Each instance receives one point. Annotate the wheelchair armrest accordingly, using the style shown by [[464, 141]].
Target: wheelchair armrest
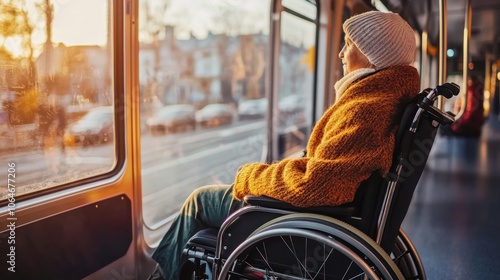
[[264, 201], [205, 238]]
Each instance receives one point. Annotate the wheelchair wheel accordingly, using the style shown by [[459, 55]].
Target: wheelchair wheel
[[308, 246], [407, 259]]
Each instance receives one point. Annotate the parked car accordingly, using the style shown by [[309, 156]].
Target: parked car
[[215, 114], [252, 109], [292, 110], [172, 118], [95, 127], [292, 104]]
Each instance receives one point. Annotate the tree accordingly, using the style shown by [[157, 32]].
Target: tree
[[15, 23], [8, 15], [46, 9], [234, 20], [151, 29]]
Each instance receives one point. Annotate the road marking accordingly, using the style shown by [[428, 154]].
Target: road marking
[[76, 160], [159, 144], [191, 158]]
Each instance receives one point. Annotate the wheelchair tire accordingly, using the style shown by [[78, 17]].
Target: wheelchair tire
[[407, 258], [308, 246]]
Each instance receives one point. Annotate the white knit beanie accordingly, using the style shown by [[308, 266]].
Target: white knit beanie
[[385, 38]]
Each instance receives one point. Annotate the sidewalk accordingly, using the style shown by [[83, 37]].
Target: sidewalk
[[17, 138]]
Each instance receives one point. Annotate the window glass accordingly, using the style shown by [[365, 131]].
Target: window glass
[[296, 83], [208, 57], [56, 92], [306, 8]]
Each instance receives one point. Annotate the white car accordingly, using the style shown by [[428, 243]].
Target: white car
[[292, 104], [215, 115], [94, 128], [252, 109], [172, 118]]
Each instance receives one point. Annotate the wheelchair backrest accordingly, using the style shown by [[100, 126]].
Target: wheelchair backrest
[[410, 158], [413, 143], [370, 194]]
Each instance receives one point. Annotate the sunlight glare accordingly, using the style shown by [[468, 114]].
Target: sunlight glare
[[81, 22]]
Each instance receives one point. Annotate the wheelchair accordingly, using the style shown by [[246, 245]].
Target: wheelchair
[[270, 239]]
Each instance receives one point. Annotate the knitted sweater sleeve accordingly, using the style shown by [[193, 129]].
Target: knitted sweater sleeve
[[352, 145]]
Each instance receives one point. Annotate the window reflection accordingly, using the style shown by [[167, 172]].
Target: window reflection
[[305, 8], [54, 74], [296, 84]]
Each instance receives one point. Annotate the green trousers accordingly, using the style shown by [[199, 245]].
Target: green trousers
[[206, 207]]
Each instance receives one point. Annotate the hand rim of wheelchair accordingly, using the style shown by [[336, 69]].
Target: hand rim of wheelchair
[[322, 228], [407, 258]]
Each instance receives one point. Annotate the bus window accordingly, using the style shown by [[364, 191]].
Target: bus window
[[202, 89], [56, 92], [296, 94]]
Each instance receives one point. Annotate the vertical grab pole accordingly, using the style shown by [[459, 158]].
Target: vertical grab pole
[[443, 39], [465, 58], [425, 65], [273, 77]]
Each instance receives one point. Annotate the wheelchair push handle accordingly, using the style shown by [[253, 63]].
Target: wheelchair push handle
[[447, 90]]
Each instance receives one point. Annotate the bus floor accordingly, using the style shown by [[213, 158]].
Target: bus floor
[[453, 220]]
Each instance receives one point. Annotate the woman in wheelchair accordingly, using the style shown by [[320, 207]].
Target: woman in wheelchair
[[353, 139]]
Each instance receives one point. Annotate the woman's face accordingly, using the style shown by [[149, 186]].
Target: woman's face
[[352, 57]]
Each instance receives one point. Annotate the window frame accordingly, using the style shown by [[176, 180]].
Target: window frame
[[116, 18]]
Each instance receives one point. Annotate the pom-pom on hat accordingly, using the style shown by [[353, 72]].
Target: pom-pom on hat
[[385, 38]]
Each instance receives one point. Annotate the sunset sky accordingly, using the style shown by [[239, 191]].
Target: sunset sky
[[80, 22], [76, 22], [84, 22]]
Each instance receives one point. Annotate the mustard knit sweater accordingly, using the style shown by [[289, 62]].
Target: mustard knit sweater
[[354, 138]]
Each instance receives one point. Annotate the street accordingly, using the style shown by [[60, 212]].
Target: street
[[175, 165], [172, 165]]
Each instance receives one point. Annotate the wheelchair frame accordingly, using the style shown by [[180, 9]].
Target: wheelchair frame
[[359, 233]]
